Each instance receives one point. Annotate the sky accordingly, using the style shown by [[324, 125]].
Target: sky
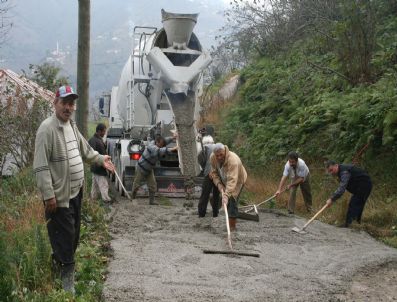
[[41, 25]]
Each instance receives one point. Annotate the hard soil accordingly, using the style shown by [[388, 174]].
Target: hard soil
[[158, 256]]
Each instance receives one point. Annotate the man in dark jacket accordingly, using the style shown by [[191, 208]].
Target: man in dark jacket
[[208, 186], [354, 180], [144, 169], [99, 175]]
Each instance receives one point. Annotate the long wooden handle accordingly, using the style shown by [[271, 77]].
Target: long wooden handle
[[227, 225], [121, 183], [314, 217], [257, 205]]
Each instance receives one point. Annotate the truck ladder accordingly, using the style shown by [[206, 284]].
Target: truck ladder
[[139, 40]]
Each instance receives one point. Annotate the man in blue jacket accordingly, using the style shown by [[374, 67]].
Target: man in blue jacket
[[147, 162], [354, 180]]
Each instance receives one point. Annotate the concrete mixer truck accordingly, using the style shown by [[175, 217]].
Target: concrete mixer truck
[[158, 93]]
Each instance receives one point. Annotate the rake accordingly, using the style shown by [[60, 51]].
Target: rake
[[231, 251], [121, 183]]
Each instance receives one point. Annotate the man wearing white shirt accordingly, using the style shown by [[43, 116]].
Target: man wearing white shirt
[[299, 173]]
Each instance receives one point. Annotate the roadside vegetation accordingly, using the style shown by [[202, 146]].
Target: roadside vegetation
[[25, 252], [328, 92]]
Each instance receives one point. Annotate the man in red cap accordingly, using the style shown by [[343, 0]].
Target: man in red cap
[[58, 164]]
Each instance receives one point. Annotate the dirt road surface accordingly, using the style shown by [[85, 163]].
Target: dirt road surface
[[158, 256]]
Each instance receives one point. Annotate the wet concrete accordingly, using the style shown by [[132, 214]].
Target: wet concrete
[[158, 256], [183, 107]]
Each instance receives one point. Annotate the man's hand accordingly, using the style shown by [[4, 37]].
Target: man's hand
[[173, 149], [277, 192], [329, 202], [50, 205], [174, 134], [107, 163], [225, 199]]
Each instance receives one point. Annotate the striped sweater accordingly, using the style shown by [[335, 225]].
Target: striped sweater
[[151, 155], [51, 163]]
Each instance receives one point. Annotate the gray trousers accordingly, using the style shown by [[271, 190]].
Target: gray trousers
[[306, 193], [140, 177]]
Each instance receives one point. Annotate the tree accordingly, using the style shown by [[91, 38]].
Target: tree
[[47, 76]]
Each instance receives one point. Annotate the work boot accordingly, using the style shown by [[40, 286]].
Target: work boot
[[67, 278], [151, 199], [232, 224], [134, 194]]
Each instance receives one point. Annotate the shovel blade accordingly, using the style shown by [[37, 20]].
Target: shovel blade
[[298, 230]]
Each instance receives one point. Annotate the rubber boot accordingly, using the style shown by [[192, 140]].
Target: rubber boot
[[67, 278], [55, 267], [151, 199], [232, 224]]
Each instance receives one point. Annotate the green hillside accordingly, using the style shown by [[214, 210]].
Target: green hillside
[[328, 95]]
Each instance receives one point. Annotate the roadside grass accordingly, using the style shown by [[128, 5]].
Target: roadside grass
[[379, 217], [25, 252], [164, 201]]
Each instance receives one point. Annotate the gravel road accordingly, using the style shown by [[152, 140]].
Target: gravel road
[[158, 256]]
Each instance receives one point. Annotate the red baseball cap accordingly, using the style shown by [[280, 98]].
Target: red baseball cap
[[65, 91]]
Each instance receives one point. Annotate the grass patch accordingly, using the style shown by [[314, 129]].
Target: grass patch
[[164, 201]]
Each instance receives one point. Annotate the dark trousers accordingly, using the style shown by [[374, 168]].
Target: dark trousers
[[64, 230], [206, 189], [357, 203]]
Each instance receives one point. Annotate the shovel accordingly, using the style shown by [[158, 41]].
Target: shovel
[[121, 183], [302, 230]]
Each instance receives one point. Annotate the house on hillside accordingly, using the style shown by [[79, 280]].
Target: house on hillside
[[23, 105]]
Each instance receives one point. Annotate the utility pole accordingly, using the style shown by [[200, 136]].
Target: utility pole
[[83, 66]]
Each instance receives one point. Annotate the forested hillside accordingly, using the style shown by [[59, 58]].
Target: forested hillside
[[328, 94], [320, 79]]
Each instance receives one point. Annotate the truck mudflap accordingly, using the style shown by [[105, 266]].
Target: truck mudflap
[[170, 183]]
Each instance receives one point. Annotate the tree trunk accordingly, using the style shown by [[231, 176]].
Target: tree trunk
[[83, 67]]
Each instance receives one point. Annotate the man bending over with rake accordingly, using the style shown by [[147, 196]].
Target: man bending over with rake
[[229, 176]]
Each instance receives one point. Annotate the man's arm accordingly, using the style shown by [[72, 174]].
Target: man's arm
[[87, 152], [41, 169], [232, 179], [90, 155], [281, 185], [344, 180], [296, 182]]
